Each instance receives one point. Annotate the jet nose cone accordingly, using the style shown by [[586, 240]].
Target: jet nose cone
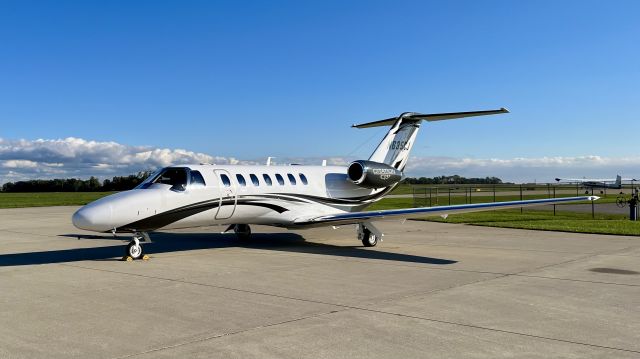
[[92, 217], [80, 219]]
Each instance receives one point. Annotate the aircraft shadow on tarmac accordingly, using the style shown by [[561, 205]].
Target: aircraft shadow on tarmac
[[178, 242]]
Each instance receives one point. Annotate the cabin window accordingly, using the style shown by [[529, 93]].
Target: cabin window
[[241, 180], [196, 180], [225, 180], [291, 178], [254, 179], [280, 179], [175, 177], [267, 179], [303, 178]]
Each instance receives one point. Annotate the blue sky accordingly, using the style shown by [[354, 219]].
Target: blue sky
[[286, 79]]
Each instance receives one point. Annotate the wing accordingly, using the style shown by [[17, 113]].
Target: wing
[[358, 217], [582, 180]]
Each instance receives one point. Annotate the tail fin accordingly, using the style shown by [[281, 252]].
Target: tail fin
[[396, 145], [618, 180]]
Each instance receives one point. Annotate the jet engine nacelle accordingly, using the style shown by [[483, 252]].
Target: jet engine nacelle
[[371, 174]]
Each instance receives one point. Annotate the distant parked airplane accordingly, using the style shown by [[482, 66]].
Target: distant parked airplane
[[596, 182], [285, 196]]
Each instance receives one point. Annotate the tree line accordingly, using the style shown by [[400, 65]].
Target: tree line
[[455, 179], [93, 184], [123, 183]]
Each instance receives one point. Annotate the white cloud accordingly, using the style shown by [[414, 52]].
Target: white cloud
[[76, 157], [18, 164], [520, 169]]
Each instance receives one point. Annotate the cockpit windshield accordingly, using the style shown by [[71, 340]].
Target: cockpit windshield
[[147, 181], [175, 177]]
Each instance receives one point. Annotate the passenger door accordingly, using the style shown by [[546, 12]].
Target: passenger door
[[228, 195]]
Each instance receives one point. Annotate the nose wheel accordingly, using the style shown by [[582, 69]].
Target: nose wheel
[[134, 249]]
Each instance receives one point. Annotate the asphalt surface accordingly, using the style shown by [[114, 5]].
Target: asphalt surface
[[430, 290]]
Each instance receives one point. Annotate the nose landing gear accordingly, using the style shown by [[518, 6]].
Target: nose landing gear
[[134, 249]]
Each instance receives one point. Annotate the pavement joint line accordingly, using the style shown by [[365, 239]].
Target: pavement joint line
[[221, 335], [577, 280], [517, 274], [346, 306], [616, 252], [430, 292], [571, 260], [624, 255], [199, 340], [31, 234], [499, 274], [500, 330], [483, 247], [521, 273], [265, 251], [276, 295], [208, 285]]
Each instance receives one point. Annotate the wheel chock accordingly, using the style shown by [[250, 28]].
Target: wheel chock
[[130, 259]]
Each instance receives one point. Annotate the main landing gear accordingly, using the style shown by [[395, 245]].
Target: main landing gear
[[243, 231], [369, 235], [134, 248]]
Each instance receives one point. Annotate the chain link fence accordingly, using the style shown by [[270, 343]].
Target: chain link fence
[[613, 201]]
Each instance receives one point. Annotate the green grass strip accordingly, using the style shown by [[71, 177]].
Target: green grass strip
[[530, 219], [45, 199]]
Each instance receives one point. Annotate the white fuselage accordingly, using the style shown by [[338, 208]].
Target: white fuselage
[[231, 194], [286, 196]]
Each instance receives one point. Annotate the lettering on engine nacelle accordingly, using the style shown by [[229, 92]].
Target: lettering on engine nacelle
[[371, 174]]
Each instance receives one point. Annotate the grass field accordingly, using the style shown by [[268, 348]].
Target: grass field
[[546, 221], [530, 219], [45, 199]]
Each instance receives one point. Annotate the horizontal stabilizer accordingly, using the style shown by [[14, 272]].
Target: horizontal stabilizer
[[431, 117]]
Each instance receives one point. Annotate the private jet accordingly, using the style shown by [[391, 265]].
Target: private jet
[[596, 182], [291, 196]]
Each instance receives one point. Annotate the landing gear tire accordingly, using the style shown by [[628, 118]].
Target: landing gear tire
[[369, 239], [134, 250], [242, 231]]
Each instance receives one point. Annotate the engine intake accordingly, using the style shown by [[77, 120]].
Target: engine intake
[[371, 174]]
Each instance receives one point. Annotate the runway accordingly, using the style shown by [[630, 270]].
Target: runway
[[430, 290]]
